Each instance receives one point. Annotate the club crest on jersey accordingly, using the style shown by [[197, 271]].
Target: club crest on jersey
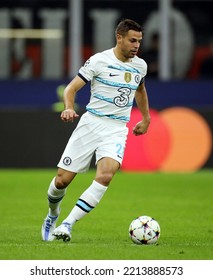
[[127, 77], [67, 161], [137, 79]]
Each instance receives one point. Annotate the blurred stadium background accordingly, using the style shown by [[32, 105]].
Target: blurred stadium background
[[43, 43]]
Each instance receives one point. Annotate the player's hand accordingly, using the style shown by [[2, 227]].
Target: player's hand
[[69, 115], [141, 127]]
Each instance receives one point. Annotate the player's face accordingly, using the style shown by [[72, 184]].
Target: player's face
[[130, 43]]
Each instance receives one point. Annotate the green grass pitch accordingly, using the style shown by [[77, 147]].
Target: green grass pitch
[[181, 203]]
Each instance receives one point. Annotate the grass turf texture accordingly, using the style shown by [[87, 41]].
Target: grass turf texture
[[181, 203]]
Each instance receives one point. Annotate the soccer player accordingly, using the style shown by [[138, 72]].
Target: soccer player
[[117, 77]]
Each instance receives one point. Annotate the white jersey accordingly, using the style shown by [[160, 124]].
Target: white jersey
[[113, 84]]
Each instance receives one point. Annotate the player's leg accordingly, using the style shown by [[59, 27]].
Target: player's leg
[[106, 168], [56, 192]]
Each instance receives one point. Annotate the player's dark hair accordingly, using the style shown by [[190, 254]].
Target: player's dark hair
[[127, 24]]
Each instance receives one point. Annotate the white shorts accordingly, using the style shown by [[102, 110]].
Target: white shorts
[[99, 135]]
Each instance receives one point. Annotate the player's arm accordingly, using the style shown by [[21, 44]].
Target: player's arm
[[142, 102], [70, 91]]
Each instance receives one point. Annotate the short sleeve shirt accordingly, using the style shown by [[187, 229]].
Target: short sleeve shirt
[[113, 84]]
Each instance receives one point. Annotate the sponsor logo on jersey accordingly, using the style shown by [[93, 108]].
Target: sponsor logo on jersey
[[113, 75]]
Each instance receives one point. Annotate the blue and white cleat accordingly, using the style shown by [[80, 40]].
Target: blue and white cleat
[[63, 232], [48, 227]]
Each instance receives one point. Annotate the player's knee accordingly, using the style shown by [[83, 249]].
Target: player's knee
[[104, 178], [61, 183], [63, 178]]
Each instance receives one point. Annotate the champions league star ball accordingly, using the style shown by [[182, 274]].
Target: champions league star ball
[[144, 230]]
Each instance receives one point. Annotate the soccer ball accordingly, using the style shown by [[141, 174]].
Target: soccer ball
[[144, 230]]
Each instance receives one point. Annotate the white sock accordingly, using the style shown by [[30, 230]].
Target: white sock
[[54, 198], [87, 201]]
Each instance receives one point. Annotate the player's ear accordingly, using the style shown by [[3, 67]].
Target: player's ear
[[118, 37]]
